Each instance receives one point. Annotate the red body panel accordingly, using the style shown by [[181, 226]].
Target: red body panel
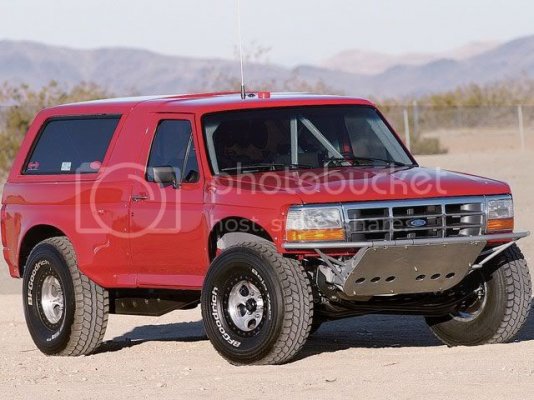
[[163, 255], [368, 184], [96, 211]]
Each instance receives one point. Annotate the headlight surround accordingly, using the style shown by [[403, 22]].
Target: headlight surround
[[314, 225], [499, 214]]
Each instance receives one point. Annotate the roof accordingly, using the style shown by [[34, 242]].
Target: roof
[[205, 102]]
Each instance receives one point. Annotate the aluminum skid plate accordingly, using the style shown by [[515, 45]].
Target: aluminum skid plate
[[409, 269]]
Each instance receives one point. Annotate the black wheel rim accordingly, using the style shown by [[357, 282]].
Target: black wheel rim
[[475, 304]]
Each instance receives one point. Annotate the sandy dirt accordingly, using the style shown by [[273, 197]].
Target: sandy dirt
[[373, 357]]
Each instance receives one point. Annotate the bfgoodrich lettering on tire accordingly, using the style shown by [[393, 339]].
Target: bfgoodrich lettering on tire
[[257, 306], [65, 312]]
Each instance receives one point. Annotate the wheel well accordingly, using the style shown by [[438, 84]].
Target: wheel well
[[234, 225], [33, 236]]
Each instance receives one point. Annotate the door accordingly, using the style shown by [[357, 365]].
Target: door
[[167, 225]]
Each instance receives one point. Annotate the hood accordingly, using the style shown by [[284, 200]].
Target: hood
[[364, 184]]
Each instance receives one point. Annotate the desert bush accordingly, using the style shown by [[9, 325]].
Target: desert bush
[[427, 146], [492, 105], [21, 103]]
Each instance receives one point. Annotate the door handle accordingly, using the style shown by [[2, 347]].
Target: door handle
[[139, 197]]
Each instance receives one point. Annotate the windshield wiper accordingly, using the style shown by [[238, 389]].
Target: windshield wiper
[[387, 162], [299, 166], [266, 167], [351, 161]]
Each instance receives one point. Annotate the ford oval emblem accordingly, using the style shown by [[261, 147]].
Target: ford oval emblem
[[417, 223]]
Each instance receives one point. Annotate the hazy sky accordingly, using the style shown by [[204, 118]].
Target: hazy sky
[[297, 31]]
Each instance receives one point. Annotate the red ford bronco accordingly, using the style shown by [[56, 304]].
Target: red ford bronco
[[275, 212]]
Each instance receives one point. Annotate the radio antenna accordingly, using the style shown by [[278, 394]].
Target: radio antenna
[[243, 94]]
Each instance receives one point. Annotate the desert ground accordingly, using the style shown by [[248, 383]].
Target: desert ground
[[372, 357]]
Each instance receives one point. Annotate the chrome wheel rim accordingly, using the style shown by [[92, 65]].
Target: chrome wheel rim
[[473, 309], [245, 306], [52, 300]]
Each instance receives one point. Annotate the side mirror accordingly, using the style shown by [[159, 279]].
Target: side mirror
[[165, 176], [192, 176]]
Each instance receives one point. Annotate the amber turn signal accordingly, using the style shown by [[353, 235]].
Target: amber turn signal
[[499, 225], [315, 235]]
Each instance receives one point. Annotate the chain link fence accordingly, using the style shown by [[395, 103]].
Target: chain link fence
[[464, 129], [429, 129]]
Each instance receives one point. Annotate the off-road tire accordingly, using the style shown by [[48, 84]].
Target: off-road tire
[[505, 310], [287, 299], [83, 321]]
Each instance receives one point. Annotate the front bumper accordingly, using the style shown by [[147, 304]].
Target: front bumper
[[406, 266], [498, 237]]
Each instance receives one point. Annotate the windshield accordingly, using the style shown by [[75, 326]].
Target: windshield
[[303, 137]]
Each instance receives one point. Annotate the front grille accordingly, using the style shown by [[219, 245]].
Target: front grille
[[415, 219]]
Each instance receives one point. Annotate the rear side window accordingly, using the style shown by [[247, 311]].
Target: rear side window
[[71, 146]]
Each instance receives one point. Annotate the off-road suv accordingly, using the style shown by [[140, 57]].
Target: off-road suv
[[275, 212]]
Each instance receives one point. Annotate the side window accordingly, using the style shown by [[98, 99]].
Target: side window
[[173, 147], [71, 146]]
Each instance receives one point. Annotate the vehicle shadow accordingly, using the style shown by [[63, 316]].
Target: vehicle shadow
[[178, 332], [375, 331], [371, 331]]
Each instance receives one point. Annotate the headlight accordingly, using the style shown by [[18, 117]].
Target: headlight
[[314, 225], [500, 214]]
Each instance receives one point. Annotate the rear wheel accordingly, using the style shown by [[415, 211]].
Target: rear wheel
[[66, 313], [257, 306], [497, 309]]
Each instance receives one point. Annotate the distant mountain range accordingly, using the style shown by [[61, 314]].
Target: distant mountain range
[[372, 63], [126, 71]]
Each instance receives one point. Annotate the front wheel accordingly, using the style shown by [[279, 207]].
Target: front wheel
[[257, 306], [497, 308]]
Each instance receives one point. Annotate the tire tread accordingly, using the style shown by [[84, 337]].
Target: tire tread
[[297, 303], [91, 305], [513, 268], [518, 296]]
